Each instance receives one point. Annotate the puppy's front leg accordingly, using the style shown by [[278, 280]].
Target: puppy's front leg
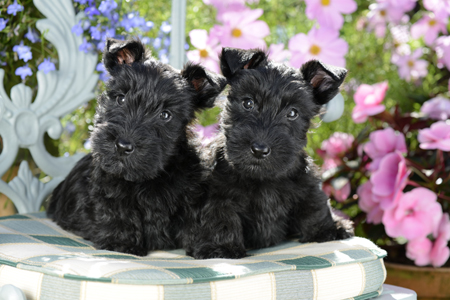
[[313, 220], [219, 234]]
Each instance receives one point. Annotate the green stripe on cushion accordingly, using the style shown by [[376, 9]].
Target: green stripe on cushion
[[30, 227], [199, 291], [200, 274], [294, 285], [13, 217], [118, 256], [6, 238], [59, 240], [374, 271], [308, 262], [55, 288]]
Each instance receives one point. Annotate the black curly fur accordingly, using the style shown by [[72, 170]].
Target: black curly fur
[[258, 202], [138, 201]]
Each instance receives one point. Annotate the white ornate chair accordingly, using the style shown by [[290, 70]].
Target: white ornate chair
[[39, 260]]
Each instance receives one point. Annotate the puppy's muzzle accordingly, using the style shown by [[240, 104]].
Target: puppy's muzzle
[[260, 150], [124, 147]]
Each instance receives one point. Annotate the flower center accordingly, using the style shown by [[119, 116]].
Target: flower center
[[236, 32], [325, 2], [432, 22], [410, 63], [203, 53], [314, 50], [382, 13]]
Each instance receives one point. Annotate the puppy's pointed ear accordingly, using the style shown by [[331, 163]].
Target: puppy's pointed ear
[[118, 53], [207, 85], [325, 79], [232, 60]]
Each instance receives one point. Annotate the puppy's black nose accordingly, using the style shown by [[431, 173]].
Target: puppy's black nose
[[124, 147], [260, 150]]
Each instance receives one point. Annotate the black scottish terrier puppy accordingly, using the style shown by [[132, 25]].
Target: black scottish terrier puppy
[[263, 186], [134, 192]]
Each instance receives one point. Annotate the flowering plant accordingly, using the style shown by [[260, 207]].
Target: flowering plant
[[393, 178]]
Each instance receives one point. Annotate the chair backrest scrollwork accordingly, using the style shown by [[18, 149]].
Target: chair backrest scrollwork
[[23, 122]]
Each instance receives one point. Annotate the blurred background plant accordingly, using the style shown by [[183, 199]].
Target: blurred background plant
[[403, 43]]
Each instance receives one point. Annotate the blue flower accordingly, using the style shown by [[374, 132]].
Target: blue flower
[[3, 23], [107, 6], [165, 27], [46, 66], [104, 76], [87, 144], [146, 40], [148, 25], [77, 29], [85, 46], [70, 127], [14, 8], [91, 11], [108, 32], [167, 42], [24, 52], [32, 35], [23, 71], [96, 34], [81, 1], [157, 42]]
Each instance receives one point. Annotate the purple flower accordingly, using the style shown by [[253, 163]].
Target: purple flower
[[14, 8], [328, 12], [410, 67], [165, 27], [32, 35], [85, 46], [23, 51], [429, 27], [321, 44], [207, 50], [157, 42], [242, 30], [95, 32], [133, 20], [107, 6], [81, 1], [23, 72], [46, 66], [77, 29], [443, 51], [206, 133], [3, 23], [148, 25], [91, 11], [435, 137], [441, 8], [437, 108], [104, 76], [278, 54]]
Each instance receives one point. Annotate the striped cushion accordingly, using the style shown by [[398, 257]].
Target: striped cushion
[[47, 262]]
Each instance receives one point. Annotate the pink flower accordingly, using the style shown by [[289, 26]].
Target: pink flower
[[328, 12], [437, 108], [206, 133], [207, 50], [429, 27], [242, 30], [440, 252], [339, 188], [330, 163], [224, 6], [410, 67], [368, 204], [278, 54], [441, 8], [321, 44], [337, 144], [419, 250], [377, 18], [443, 51], [435, 137], [389, 180], [368, 99], [416, 215], [396, 9], [383, 142]]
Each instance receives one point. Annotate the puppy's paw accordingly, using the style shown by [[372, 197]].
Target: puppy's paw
[[218, 251], [344, 229]]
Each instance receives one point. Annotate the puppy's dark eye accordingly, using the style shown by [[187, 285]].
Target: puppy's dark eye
[[165, 115], [248, 104], [292, 114], [120, 100]]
